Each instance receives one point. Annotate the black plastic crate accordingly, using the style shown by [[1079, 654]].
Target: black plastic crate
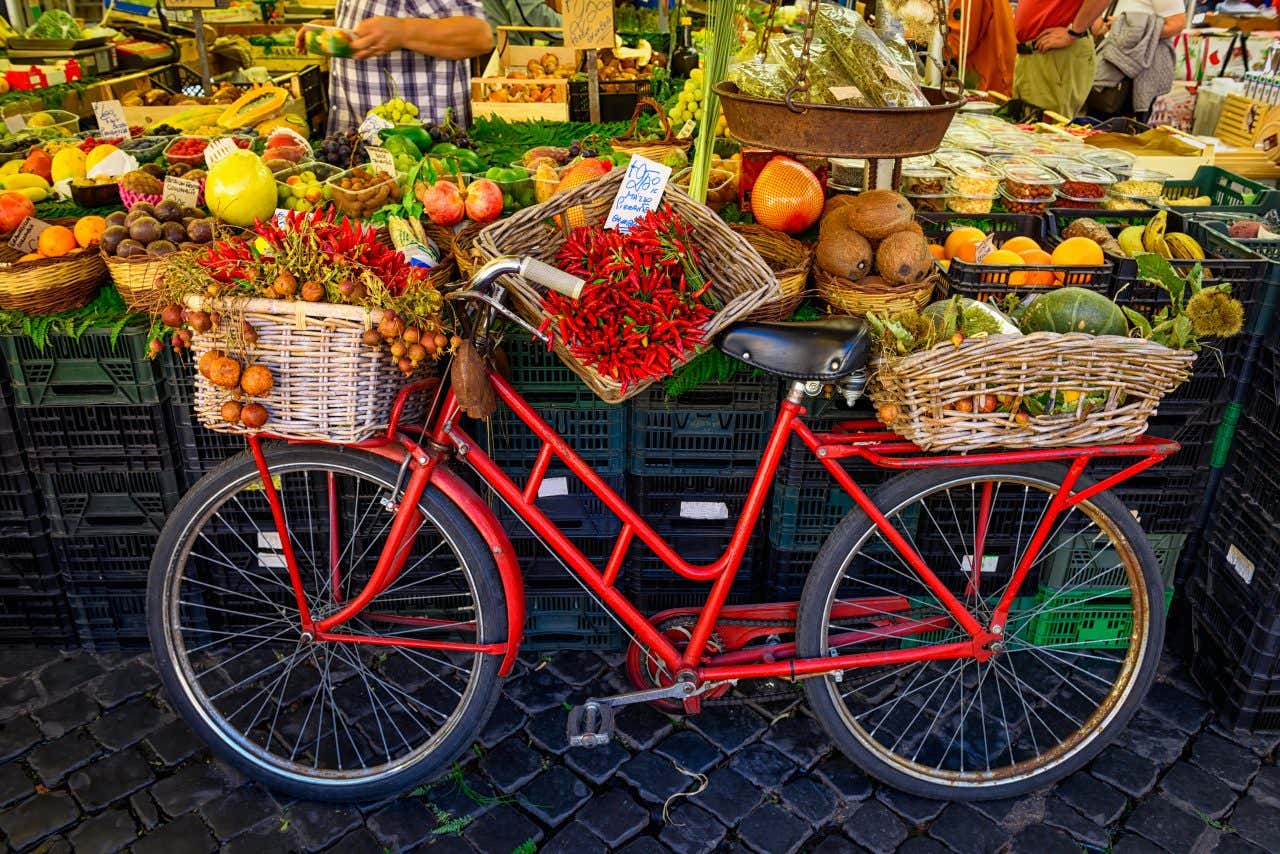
[[109, 615], [35, 618], [651, 596], [568, 502], [1262, 402], [11, 461], [1244, 536], [87, 371], [96, 438], [93, 559], [618, 99], [19, 502], [1214, 375], [1238, 670], [691, 504], [26, 562], [643, 570], [568, 618], [539, 566], [1255, 462], [718, 429], [998, 226], [101, 503], [178, 371], [539, 375], [596, 431], [1195, 431], [1165, 498], [200, 450]]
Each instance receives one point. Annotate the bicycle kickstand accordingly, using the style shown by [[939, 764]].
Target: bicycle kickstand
[[591, 724]]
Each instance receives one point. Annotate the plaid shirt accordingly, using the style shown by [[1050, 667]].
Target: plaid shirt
[[434, 85]]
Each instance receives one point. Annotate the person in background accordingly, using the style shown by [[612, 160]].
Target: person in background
[[524, 13], [1056, 61], [1137, 44], [991, 48], [420, 47]]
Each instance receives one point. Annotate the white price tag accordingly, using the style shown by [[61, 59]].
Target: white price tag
[[1243, 567], [282, 217], [111, 120], [382, 160], [553, 487], [26, 236], [182, 191], [641, 191], [13, 124], [990, 563], [845, 93], [218, 149], [369, 128], [686, 130], [704, 510]]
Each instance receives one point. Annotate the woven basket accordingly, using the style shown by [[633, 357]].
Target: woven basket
[[1132, 373], [444, 273], [49, 285], [858, 298], [464, 250], [328, 385], [136, 278], [739, 277], [790, 261], [654, 149]]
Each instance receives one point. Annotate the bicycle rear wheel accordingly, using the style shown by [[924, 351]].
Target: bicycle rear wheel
[[323, 720], [1080, 645]]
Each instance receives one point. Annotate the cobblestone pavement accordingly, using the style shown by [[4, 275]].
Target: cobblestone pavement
[[93, 760]]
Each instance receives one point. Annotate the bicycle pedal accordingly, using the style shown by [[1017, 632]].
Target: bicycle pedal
[[590, 725]]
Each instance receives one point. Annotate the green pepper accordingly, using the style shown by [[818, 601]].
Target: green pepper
[[468, 160], [413, 134], [400, 146]]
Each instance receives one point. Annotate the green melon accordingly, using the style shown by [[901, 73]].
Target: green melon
[[1074, 310]]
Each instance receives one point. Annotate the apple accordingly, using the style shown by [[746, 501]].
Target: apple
[[442, 203], [293, 154], [484, 201]]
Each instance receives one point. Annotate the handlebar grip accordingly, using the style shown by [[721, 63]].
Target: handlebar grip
[[552, 278]]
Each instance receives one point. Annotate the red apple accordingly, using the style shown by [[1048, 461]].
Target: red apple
[[442, 203], [14, 208], [484, 200]]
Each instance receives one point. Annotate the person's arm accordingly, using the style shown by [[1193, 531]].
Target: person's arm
[[458, 37], [1173, 25], [1060, 37]]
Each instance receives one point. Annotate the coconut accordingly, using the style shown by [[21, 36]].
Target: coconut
[[846, 253], [876, 214], [903, 257], [836, 220], [835, 203]]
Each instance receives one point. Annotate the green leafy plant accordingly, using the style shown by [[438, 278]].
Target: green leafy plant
[[107, 310], [1195, 311]]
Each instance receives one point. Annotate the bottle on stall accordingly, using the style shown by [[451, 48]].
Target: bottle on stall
[[684, 58]]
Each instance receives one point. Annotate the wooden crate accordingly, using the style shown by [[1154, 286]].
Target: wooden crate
[[556, 110]]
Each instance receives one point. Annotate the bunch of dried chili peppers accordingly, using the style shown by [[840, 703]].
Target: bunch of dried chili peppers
[[645, 304]]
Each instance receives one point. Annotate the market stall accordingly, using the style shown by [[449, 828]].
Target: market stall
[[190, 267]]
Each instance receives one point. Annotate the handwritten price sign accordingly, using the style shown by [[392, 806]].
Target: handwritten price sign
[[588, 24], [641, 192]]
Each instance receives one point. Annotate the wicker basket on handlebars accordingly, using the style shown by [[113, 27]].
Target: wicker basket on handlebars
[[740, 278], [1091, 389], [328, 386]]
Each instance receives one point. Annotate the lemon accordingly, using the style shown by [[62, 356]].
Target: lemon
[[97, 155]]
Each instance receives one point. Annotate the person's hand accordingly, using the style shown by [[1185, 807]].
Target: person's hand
[[377, 36], [300, 40], [1053, 38], [1101, 27]]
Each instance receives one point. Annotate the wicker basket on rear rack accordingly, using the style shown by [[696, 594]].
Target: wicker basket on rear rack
[[1091, 389], [790, 261], [739, 277], [329, 385]]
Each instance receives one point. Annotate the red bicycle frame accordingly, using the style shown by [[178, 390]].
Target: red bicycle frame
[[865, 439]]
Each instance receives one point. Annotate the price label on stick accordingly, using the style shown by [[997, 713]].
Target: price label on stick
[[13, 124], [27, 235], [369, 128], [686, 130], [111, 120], [182, 191], [282, 217], [588, 24], [382, 160], [641, 191], [218, 149]]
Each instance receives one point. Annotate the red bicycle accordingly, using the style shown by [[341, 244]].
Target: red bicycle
[[335, 620]]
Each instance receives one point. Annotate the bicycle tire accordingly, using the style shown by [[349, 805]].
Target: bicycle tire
[[859, 740], [459, 730]]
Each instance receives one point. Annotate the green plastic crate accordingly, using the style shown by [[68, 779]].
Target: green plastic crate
[[568, 619], [1088, 618], [1223, 187], [1072, 561], [85, 371], [1019, 604]]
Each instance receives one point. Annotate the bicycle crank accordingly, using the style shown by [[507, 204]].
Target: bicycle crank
[[591, 724]]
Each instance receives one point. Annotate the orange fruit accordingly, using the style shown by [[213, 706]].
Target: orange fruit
[[938, 252], [1078, 252], [1004, 258], [1019, 244], [961, 236], [968, 251], [1040, 258], [787, 197], [56, 241], [88, 230]]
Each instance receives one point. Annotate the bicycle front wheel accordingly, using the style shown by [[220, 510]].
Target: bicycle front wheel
[[1080, 643], [323, 720]]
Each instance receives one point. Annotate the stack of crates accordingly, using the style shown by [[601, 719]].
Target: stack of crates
[[199, 449], [33, 608], [96, 441], [691, 462], [559, 612], [1234, 591]]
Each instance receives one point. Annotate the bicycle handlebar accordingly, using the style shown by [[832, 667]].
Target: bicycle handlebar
[[533, 270]]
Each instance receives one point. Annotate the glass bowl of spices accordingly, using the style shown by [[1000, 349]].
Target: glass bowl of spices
[[925, 187]]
